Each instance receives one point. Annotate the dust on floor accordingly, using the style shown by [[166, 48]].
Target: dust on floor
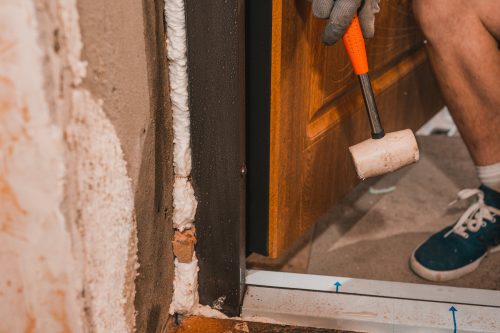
[[371, 236], [210, 325]]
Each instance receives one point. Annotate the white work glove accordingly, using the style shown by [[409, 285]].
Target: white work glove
[[340, 13]]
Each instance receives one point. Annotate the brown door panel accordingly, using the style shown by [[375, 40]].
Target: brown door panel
[[317, 112]]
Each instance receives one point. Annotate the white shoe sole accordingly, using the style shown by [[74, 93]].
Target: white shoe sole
[[439, 276]]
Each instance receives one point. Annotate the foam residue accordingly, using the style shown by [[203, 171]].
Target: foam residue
[[185, 286], [185, 297], [184, 199], [206, 311]]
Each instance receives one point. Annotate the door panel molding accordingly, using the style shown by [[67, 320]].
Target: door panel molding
[[336, 109]]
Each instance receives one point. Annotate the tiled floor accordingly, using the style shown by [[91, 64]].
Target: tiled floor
[[371, 236]]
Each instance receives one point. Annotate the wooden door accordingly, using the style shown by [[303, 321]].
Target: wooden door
[[316, 110]]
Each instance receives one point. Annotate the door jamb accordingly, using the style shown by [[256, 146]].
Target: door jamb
[[216, 74]]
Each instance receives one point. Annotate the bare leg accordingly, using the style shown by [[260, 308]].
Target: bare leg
[[463, 38]]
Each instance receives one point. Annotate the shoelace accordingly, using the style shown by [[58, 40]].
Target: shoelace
[[473, 218]]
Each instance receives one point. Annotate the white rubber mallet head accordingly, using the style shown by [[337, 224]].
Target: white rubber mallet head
[[375, 157], [382, 153]]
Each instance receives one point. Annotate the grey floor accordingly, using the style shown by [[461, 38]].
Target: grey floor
[[371, 236]]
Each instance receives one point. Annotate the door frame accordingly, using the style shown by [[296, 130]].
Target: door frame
[[217, 104], [216, 74]]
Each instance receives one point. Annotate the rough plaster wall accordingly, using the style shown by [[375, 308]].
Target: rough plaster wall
[[67, 226], [127, 69], [38, 285], [105, 217], [114, 48]]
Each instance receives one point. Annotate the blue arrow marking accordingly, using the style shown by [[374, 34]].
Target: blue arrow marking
[[337, 285], [453, 310]]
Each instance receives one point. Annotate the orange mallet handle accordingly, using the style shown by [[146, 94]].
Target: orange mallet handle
[[355, 46]]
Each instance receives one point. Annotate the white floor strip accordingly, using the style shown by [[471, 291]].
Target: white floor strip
[[366, 313], [368, 305], [411, 291]]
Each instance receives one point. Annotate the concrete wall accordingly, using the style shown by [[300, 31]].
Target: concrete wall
[[127, 68], [85, 167]]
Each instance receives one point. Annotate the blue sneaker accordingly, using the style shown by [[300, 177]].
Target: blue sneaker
[[458, 249]]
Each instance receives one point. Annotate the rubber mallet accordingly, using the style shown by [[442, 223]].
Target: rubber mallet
[[382, 153]]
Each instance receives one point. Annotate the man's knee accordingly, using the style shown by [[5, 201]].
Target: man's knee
[[435, 16]]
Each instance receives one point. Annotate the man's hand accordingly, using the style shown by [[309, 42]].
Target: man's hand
[[340, 13]]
